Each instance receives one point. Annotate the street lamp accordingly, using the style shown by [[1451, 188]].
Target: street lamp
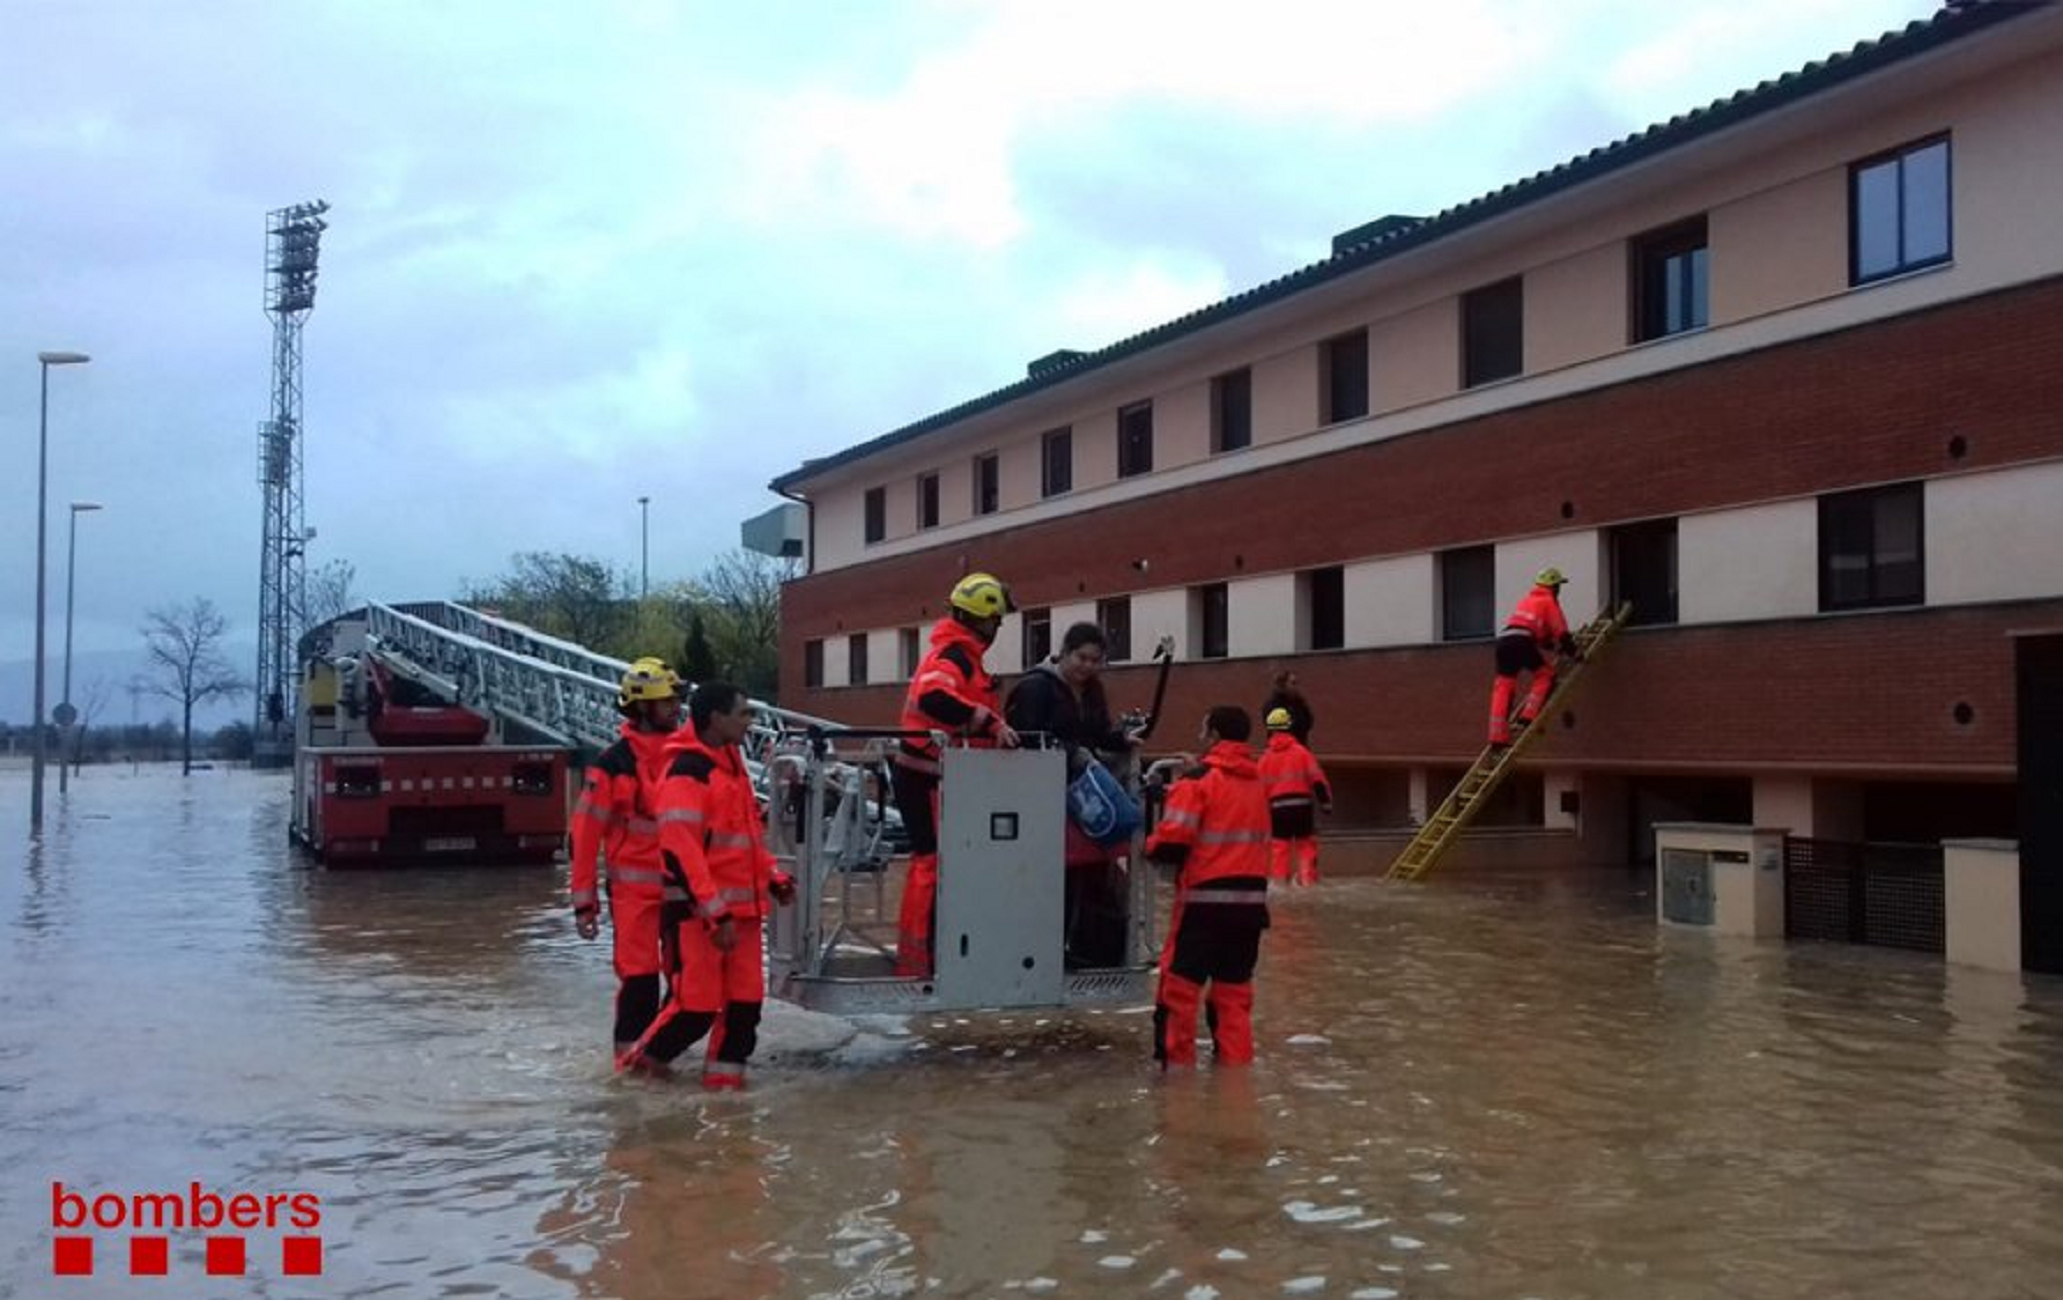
[[47, 360], [644, 547], [64, 697]]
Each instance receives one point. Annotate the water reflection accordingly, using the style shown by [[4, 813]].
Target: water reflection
[[1488, 1087]]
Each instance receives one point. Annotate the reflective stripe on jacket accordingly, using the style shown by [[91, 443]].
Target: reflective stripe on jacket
[[612, 822], [1216, 820], [1538, 615], [951, 692], [710, 828], [1291, 775]]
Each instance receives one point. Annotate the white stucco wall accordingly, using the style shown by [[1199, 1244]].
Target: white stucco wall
[[1262, 615], [1391, 602], [1755, 562], [1995, 536]]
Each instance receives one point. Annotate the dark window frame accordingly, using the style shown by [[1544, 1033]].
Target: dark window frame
[[927, 500], [1114, 616], [1488, 313], [1845, 513], [1135, 439], [1056, 478], [1343, 387], [856, 659], [1232, 411], [1630, 579], [1675, 258], [1898, 158], [1213, 620], [874, 526], [1474, 617], [1325, 607], [988, 483], [1035, 633], [909, 650], [813, 664]]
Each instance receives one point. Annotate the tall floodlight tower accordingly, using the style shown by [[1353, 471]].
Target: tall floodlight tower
[[293, 236]]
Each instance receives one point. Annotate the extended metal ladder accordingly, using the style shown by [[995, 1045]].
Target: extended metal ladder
[[552, 687], [1462, 803]]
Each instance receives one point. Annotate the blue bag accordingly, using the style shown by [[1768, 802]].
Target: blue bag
[[1100, 806]]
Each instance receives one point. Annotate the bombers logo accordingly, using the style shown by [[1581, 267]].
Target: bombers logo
[[146, 1220]]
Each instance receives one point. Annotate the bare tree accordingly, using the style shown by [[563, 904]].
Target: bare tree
[[328, 592], [184, 646], [574, 596], [742, 593]]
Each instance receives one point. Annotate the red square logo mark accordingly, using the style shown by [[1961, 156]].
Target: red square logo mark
[[149, 1256], [302, 1256], [71, 1256], [225, 1256]]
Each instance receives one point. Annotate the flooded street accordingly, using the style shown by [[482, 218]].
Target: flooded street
[[1479, 1088]]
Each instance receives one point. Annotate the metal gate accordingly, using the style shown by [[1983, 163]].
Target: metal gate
[[1884, 894]]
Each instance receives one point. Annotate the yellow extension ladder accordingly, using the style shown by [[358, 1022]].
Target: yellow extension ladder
[[1459, 808]]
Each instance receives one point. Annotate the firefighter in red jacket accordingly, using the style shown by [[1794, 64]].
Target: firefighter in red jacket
[[1214, 829], [1535, 631], [1296, 788], [712, 838], [613, 821], [952, 692]]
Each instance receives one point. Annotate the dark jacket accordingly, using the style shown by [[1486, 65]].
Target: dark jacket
[[1042, 701]]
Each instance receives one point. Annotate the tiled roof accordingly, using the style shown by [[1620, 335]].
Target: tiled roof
[[1392, 238]]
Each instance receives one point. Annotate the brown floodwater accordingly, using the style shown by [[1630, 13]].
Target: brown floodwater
[[1478, 1087]]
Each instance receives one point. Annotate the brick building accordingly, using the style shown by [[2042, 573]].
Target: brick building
[[1783, 371]]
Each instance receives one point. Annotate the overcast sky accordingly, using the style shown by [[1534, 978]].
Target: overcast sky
[[583, 252]]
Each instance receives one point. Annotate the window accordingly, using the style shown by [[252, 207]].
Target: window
[[1056, 463], [856, 659], [927, 500], [1671, 281], [988, 483], [1325, 608], [1135, 439], [877, 514], [1343, 366], [1232, 411], [1210, 620], [1038, 636], [1869, 548], [812, 664], [1468, 593], [908, 652], [1898, 212], [1493, 332], [1644, 570], [1114, 616]]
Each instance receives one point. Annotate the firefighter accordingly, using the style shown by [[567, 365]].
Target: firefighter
[[1536, 625], [712, 839], [613, 821], [1296, 785], [1214, 831], [951, 692]]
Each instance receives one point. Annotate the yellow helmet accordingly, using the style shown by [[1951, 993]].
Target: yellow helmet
[[1549, 577], [1278, 720], [982, 595], [648, 679]]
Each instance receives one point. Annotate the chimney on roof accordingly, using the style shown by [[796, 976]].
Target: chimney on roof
[[1052, 361], [1368, 233]]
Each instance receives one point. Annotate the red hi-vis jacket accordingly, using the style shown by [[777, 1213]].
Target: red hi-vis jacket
[[1539, 615], [613, 819], [1216, 820], [710, 830], [1291, 775], [952, 692]]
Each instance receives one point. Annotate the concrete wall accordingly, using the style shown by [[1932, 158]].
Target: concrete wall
[[1748, 563]]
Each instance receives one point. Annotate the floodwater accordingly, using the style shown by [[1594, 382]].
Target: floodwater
[[1472, 1088]]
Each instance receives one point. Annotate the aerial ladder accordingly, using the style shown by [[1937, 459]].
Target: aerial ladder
[[1476, 786]]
